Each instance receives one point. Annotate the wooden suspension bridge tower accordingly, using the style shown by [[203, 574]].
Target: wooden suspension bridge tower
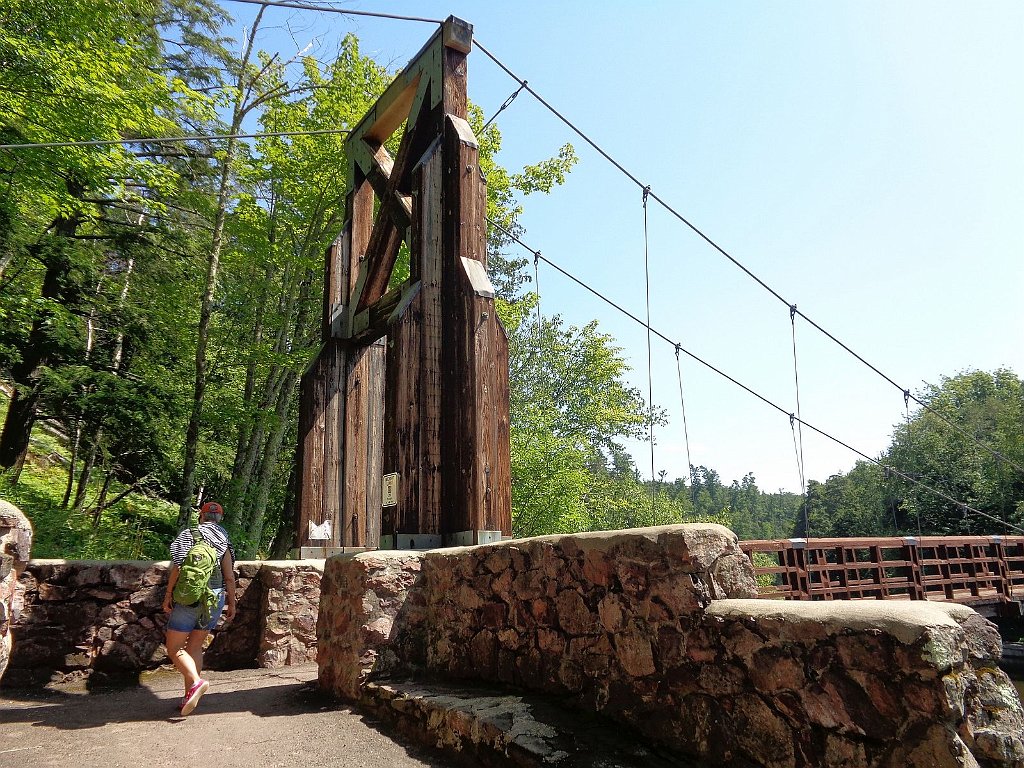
[[404, 423]]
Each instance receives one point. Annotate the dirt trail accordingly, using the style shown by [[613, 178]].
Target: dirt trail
[[249, 718]]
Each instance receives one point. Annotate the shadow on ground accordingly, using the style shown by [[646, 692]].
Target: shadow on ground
[[263, 717]]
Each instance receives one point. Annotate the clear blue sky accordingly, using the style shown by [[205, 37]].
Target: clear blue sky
[[865, 159]]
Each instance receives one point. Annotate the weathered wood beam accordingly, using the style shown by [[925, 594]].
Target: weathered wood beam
[[413, 407], [311, 450], [381, 167], [474, 422], [391, 109], [399, 204], [404, 94], [374, 321], [394, 215]]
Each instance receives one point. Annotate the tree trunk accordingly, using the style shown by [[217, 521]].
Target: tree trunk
[[90, 337], [71, 466], [21, 412], [244, 426], [101, 504], [269, 462], [213, 265], [276, 378], [86, 473], [21, 415], [284, 540], [5, 259]]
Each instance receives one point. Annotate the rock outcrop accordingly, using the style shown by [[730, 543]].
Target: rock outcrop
[[15, 548], [656, 628]]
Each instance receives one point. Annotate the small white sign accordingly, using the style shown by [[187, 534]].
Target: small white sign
[[320, 532], [389, 490]]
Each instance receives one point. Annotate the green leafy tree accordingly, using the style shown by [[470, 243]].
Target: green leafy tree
[[980, 406], [77, 71], [570, 406]]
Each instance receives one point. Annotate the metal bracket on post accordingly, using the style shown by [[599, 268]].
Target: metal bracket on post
[[457, 34], [340, 322], [472, 538], [411, 541], [322, 553]]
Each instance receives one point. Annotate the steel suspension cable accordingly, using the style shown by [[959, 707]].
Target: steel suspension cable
[[910, 445], [331, 9], [173, 139], [503, 107], [650, 377], [686, 432], [800, 473], [799, 430], [722, 251], [749, 390], [536, 279]]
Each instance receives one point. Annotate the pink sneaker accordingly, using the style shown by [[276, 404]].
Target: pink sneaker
[[195, 693]]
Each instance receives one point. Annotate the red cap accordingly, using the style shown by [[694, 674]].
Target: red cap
[[211, 507]]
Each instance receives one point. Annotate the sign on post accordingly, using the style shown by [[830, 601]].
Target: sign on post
[[389, 490]]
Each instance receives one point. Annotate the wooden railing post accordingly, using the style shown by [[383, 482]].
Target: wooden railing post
[[984, 572], [912, 554]]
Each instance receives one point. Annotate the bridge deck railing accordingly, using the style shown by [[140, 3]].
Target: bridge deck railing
[[973, 570]]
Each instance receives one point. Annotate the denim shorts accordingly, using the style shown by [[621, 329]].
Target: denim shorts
[[185, 618]]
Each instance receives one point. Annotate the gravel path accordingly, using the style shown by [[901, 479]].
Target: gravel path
[[249, 718]]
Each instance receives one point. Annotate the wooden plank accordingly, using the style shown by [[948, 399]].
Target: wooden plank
[[353, 427], [454, 83], [402, 424], [429, 208], [398, 205], [478, 366], [311, 450], [392, 219], [376, 360], [361, 216], [378, 261], [372, 323], [392, 108], [457, 411], [471, 423], [336, 282], [356, 429], [501, 469], [335, 363], [381, 167]]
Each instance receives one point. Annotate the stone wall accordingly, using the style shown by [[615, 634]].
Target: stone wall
[[15, 548], [104, 619], [650, 627]]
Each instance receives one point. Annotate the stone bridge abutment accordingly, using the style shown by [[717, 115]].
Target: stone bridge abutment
[[103, 619], [658, 629]]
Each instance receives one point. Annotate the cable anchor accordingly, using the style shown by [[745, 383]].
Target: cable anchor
[[792, 312], [906, 398], [647, 193], [503, 107]]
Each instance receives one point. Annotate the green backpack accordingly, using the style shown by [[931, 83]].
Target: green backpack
[[193, 584]]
